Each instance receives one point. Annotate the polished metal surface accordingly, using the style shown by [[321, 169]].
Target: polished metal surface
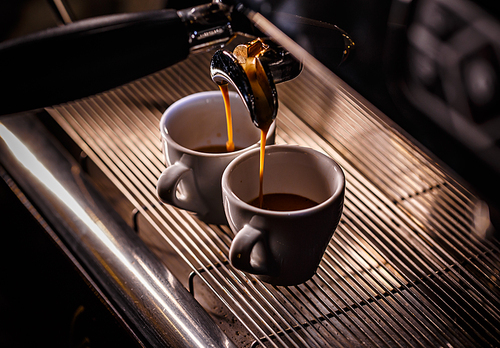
[[257, 93], [409, 264], [147, 295], [208, 25]]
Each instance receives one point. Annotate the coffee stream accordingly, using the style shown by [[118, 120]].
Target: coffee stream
[[225, 94], [230, 143], [263, 135], [255, 74], [258, 81]]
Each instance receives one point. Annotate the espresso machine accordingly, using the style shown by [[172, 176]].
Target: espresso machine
[[402, 94]]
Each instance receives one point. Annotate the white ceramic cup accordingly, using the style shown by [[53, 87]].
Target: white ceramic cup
[[282, 247], [192, 179]]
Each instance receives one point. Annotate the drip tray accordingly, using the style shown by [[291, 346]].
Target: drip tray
[[406, 267]]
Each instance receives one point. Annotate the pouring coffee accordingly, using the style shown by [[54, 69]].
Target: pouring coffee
[[273, 230], [248, 69]]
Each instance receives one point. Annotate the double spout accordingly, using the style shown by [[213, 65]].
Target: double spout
[[253, 69]]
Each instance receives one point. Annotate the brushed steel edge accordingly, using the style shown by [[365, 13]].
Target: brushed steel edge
[[145, 292]]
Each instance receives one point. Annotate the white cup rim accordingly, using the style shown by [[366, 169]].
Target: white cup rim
[[337, 194], [207, 94]]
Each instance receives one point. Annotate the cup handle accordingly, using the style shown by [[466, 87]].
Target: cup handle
[[167, 188], [250, 239]]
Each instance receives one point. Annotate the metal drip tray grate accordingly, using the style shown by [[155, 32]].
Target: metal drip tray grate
[[405, 267]]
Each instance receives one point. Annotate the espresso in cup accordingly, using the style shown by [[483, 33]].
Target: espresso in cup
[[282, 243], [217, 149], [194, 137], [282, 202]]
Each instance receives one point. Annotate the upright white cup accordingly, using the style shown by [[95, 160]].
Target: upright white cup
[[282, 247], [192, 179]]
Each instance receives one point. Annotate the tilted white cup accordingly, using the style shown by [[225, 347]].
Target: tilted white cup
[[192, 179], [282, 247]]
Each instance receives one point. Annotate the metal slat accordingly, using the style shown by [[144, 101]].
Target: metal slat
[[404, 267]]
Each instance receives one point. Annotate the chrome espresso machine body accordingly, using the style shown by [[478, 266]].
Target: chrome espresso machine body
[[402, 94]]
